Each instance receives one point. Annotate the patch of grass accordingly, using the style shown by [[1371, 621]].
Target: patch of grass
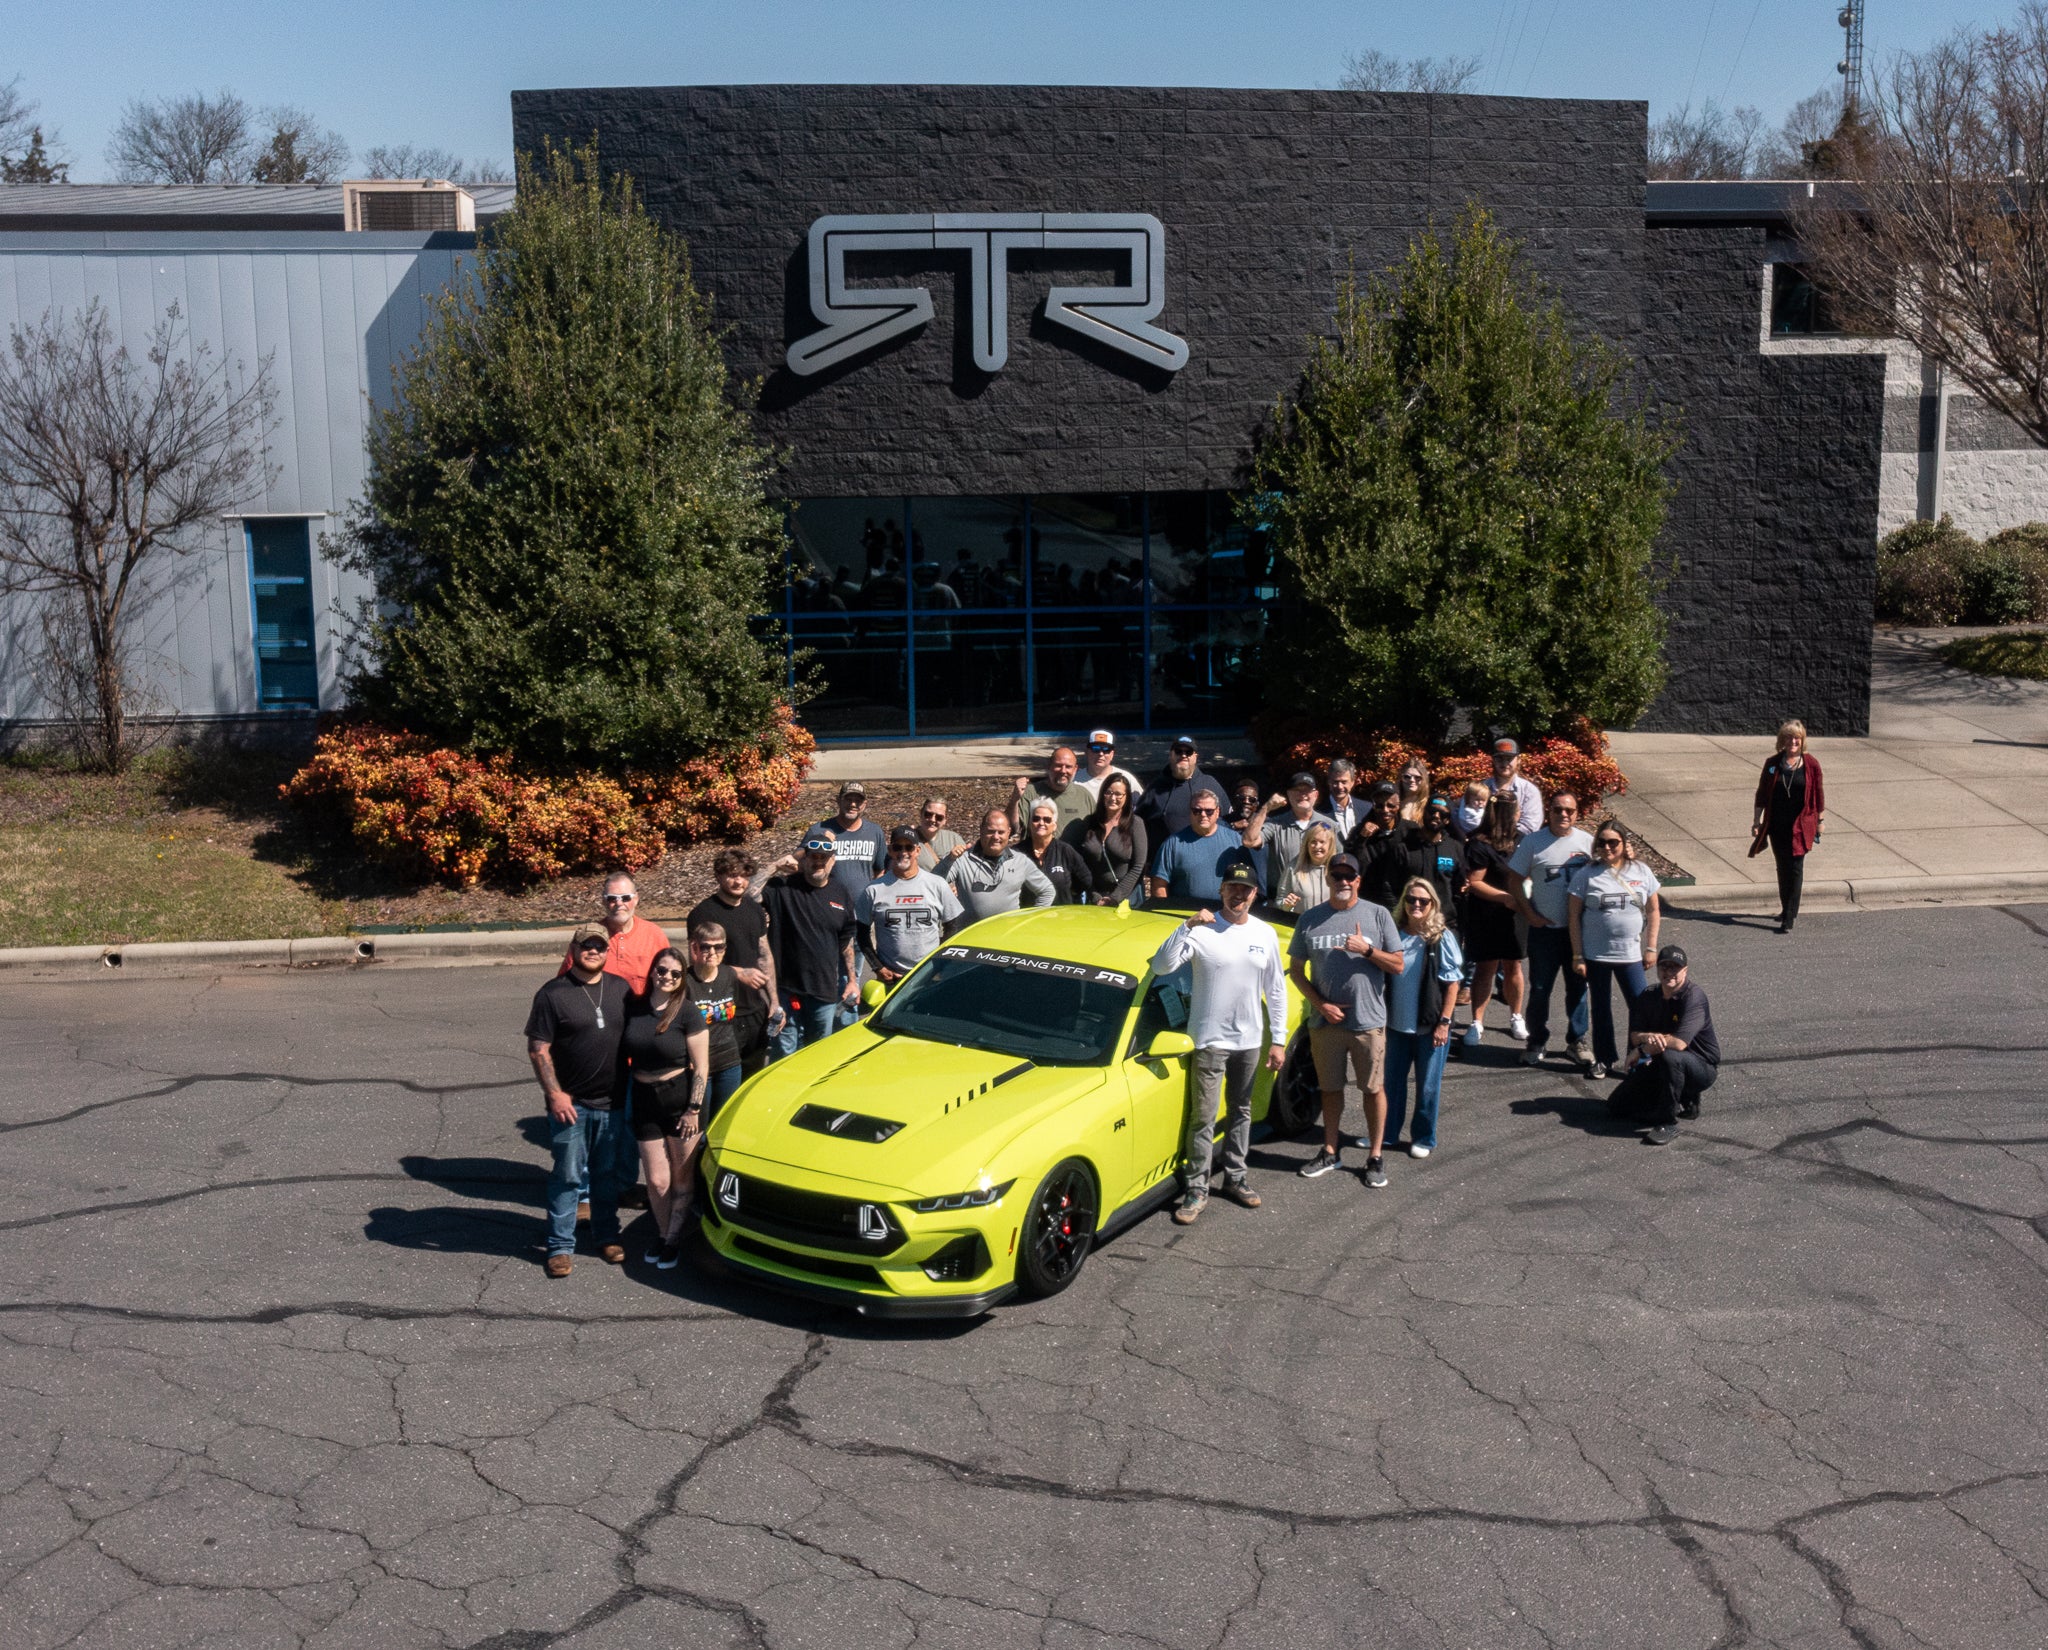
[[2022, 653], [86, 884]]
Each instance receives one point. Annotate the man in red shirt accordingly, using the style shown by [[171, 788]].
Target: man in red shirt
[[636, 942]]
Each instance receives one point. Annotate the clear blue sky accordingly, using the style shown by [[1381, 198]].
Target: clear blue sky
[[441, 71]]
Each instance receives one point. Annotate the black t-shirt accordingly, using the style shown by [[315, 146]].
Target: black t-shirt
[[1066, 870], [746, 926], [1684, 1015], [582, 1024], [807, 928], [718, 1003], [648, 1049], [859, 853]]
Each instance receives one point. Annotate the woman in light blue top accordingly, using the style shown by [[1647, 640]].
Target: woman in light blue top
[[1419, 1003], [1614, 915]]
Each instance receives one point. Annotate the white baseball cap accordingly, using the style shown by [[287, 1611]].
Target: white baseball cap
[[1102, 736]]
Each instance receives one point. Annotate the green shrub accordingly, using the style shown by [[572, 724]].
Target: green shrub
[[2026, 548], [1923, 573]]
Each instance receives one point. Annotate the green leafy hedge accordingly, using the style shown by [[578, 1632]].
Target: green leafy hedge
[[1934, 573]]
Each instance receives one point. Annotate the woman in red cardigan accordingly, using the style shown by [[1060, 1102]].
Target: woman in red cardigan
[[1791, 809]]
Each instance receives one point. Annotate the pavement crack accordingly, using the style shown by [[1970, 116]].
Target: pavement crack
[[177, 1085]]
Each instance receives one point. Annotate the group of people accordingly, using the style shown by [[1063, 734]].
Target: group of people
[[1402, 904]]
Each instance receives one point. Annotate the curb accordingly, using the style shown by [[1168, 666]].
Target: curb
[[328, 951], [1866, 893]]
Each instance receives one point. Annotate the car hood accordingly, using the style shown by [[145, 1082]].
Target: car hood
[[958, 1108]]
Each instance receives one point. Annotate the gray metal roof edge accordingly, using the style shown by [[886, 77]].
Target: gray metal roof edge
[[231, 240]]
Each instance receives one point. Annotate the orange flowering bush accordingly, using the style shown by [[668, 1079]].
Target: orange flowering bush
[[1579, 762], [465, 819]]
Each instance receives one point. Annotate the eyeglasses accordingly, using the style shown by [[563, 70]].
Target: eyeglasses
[[664, 973], [1205, 812], [936, 813], [708, 947], [620, 899], [1420, 899], [1560, 809]]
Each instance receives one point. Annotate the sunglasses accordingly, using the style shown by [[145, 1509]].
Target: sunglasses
[[592, 948], [665, 972], [620, 899], [707, 946], [935, 813], [1343, 876], [1202, 811], [1420, 899], [1608, 842], [1101, 750]]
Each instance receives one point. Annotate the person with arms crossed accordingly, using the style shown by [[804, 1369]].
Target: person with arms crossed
[[810, 927], [1674, 1053], [1189, 867], [1613, 913], [904, 913], [1339, 960], [992, 877], [573, 1033], [1237, 978], [1546, 859]]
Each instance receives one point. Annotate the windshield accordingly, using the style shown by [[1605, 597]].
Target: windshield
[[1037, 1008]]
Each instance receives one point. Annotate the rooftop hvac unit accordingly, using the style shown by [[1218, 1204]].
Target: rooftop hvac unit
[[406, 204]]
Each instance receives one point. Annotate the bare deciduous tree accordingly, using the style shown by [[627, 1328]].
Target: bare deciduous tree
[[27, 155], [1789, 152], [300, 150], [1373, 70], [1712, 143], [195, 139], [108, 465], [1942, 238], [415, 160]]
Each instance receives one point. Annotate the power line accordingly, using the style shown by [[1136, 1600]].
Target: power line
[[1702, 57], [1732, 67], [1529, 79]]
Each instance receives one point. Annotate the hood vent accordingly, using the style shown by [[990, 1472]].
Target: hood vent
[[844, 1125]]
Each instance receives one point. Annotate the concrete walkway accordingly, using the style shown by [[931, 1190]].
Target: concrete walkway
[[1945, 800]]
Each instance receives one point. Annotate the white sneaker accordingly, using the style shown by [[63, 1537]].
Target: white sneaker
[[1471, 1037], [1518, 1028], [1419, 1151]]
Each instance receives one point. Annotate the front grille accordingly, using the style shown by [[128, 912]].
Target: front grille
[[850, 1270], [810, 1218], [964, 1258]]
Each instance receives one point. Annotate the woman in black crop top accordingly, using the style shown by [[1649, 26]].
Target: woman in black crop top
[[666, 1057]]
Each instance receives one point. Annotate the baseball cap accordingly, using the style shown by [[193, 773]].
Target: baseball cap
[[1506, 747], [905, 836], [1102, 736], [1239, 872], [1442, 802], [1671, 956], [593, 934], [853, 787], [1300, 780], [817, 843], [1384, 788], [1183, 743], [1344, 865]]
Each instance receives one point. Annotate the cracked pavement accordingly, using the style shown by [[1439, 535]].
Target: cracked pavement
[[280, 1366]]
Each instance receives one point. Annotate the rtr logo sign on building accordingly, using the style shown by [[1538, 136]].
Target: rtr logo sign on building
[[856, 319]]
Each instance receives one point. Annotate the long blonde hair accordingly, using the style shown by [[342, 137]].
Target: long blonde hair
[[1412, 807], [1433, 924], [1301, 860]]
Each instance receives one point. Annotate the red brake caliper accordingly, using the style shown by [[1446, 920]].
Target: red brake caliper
[[1066, 1226]]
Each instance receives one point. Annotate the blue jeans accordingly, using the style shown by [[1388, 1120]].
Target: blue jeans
[[1550, 951], [1417, 1050], [1630, 976], [585, 1150], [803, 1026], [719, 1090], [628, 1160]]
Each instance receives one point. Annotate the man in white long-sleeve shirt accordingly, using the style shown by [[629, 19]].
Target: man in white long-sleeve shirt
[[1239, 1006]]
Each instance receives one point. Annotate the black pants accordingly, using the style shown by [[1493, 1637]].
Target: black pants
[[1655, 1089], [1791, 872], [750, 1031]]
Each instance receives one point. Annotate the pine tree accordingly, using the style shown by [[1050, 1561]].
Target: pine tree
[[565, 517], [1463, 510]]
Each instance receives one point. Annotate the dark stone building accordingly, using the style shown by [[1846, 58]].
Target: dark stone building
[[1038, 536]]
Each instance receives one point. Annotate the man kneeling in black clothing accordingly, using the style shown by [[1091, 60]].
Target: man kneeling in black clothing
[[1673, 1053]]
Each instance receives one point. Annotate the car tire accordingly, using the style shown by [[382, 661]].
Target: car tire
[[1059, 1229], [1297, 1102]]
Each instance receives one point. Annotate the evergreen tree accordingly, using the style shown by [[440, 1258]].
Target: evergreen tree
[[565, 516], [1462, 509]]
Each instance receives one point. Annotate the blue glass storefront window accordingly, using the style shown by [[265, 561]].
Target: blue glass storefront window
[[932, 617], [281, 601]]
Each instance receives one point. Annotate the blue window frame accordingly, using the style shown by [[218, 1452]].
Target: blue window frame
[[281, 605], [936, 617]]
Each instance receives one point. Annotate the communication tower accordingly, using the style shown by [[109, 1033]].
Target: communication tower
[[1851, 66]]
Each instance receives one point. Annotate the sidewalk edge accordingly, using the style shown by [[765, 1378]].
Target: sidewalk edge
[[330, 950], [1865, 893]]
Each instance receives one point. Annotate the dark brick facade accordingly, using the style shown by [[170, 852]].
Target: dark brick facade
[[1773, 524], [1269, 198]]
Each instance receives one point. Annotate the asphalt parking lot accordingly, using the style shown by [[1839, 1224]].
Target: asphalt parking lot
[[281, 1366]]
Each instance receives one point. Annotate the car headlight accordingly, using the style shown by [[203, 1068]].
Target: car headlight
[[980, 1198]]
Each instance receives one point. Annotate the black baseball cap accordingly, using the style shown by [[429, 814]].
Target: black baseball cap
[[1671, 956], [1506, 747], [905, 836], [1184, 743], [1239, 873], [1344, 866], [853, 787], [1384, 789], [1300, 780]]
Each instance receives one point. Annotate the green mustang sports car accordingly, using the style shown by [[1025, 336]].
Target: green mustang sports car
[[1019, 1096]]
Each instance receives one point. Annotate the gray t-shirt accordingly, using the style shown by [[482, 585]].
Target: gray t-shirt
[[1548, 861], [1616, 906], [1356, 984], [909, 916], [937, 854]]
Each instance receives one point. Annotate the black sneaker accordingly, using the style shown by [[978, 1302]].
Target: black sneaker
[[1690, 1110], [1321, 1164], [670, 1258], [1662, 1135], [1375, 1174], [1190, 1206]]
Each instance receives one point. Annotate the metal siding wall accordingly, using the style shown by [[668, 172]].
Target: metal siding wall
[[333, 322]]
